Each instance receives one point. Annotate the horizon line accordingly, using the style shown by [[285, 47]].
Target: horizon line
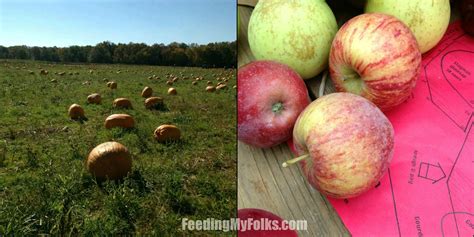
[[32, 46]]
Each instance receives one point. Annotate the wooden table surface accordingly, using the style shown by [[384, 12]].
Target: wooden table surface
[[264, 184]]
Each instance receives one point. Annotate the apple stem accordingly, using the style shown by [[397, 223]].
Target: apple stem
[[294, 160], [277, 107], [323, 84]]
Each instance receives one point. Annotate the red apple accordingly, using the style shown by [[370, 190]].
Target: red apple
[[252, 215], [376, 56], [270, 97], [345, 144]]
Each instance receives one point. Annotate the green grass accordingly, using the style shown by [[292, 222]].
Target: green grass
[[44, 185]]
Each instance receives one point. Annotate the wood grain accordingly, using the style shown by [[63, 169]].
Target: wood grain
[[249, 3], [263, 183]]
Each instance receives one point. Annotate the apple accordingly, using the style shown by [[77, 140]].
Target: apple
[[345, 144], [428, 20], [376, 56], [295, 33], [270, 97], [256, 215]]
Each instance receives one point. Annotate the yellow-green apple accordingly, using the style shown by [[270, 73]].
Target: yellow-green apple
[[428, 20], [376, 56], [262, 223], [270, 97], [297, 33], [345, 144]]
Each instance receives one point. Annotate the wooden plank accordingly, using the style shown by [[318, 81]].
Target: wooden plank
[[249, 3], [244, 55], [263, 183]]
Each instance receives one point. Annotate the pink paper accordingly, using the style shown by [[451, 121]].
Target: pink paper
[[428, 190]]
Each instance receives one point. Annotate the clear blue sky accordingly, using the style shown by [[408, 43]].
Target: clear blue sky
[[87, 22]]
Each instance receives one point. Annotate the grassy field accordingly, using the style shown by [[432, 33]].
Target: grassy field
[[44, 185]]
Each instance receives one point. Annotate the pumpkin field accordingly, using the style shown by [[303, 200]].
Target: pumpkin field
[[45, 186]]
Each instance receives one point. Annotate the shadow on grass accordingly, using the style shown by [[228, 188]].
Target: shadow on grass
[[118, 132], [134, 180], [160, 107], [81, 120], [183, 205], [179, 144]]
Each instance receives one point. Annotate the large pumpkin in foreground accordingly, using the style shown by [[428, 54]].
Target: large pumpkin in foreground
[[109, 160]]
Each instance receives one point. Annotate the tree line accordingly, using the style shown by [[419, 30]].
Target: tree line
[[220, 54]]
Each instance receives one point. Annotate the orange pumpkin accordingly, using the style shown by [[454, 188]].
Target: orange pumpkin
[[221, 87], [167, 132], [122, 103], [76, 111], [194, 82], [113, 85], [209, 83], [152, 102], [109, 160], [210, 89], [169, 82], [94, 98], [172, 91], [119, 120], [147, 92]]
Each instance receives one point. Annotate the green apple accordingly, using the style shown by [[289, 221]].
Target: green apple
[[297, 33], [428, 20]]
